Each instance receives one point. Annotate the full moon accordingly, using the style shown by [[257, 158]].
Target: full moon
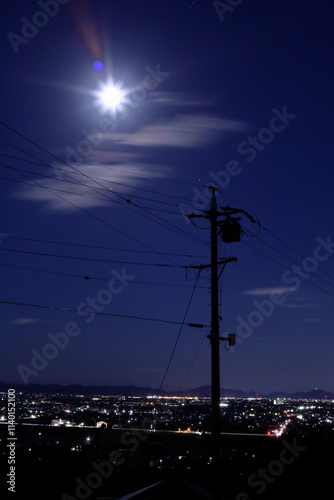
[[111, 96]]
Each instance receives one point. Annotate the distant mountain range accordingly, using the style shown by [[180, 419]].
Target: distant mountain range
[[131, 390]]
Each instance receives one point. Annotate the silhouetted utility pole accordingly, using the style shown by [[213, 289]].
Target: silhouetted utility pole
[[229, 230]]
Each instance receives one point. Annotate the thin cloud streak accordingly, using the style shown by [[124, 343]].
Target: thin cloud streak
[[24, 321], [181, 131], [92, 189], [269, 291]]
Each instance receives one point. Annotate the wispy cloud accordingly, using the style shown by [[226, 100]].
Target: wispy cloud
[[24, 321], [307, 305], [269, 291], [180, 99], [181, 131], [94, 188], [121, 160]]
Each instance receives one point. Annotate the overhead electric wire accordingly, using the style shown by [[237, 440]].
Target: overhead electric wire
[[128, 202], [172, 226], [48, 153], [66, 309], [58, 159], [280, 227], [79, 172], [88, 277], [103, 221], [114, 228], [155, 252], [61, 161], [176, 181], [286, 268], [293, 250], [179, 333], [295, 262], [99, 247], [77, 194], [91, 259], [67, 172], [163, 223], [193, 360]]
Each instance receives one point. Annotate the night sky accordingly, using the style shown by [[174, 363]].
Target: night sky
[[240, 96]]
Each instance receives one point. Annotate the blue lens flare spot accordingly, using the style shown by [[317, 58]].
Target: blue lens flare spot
[[98, 66]]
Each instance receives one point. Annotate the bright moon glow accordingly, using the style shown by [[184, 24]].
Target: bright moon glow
[[111, 97]]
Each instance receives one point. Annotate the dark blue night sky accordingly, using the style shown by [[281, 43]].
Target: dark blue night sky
[[239, 97]]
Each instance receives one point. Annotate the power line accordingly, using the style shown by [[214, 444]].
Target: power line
[[66, 309], [99, 247], [175, 228], [193, 360], [108, 200], [280, 227], [76, 170], [2, 164], [81, 173], [57, 158], [95, 277], [92, 259], [179, 334], [73, 181], [101, 220], [108, 190], [286, 268], [287, 257], [164, 223], [149, 176], [194, 238], [293, 249]]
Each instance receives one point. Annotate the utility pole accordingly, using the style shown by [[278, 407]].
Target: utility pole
[[231, 230], [215, 360]]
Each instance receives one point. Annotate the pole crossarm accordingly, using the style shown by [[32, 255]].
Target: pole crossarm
[[227, 211], [206, 266], [231, 211]]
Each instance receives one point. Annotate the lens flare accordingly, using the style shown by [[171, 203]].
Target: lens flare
[[98, 66]]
